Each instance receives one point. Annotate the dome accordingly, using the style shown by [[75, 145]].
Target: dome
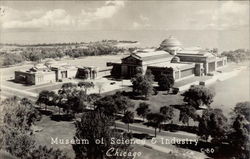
[[175, 59], [171, 45], [170, 42]]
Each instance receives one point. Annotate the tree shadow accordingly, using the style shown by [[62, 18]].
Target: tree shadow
[[45, 112], [63, 117], [142, 136], [133, 95], [178, 106], [175, 128], [19, 82], [137, 121]]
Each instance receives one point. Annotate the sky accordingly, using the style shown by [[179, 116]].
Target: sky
[[219, 17]]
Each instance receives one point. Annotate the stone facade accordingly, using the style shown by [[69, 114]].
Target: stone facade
[[34, 78]]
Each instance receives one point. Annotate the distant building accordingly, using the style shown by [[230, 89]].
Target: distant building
[[170, 58], [51, 71], [38, 74]]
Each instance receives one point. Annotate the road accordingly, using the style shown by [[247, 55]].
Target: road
[[8, 92], [151, 131], [161, 145]]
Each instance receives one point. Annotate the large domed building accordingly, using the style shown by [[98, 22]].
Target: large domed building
[[171, 58], [171, 45]]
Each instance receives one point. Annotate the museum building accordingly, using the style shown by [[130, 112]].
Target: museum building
[[52, 72], [169, 58]]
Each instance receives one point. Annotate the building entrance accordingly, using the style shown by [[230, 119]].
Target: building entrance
[[131, 71]]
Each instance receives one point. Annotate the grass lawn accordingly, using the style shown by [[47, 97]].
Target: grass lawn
[[159, 100], [53, 129]]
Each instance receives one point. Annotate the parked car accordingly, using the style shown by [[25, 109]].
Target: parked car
[[175, 90]]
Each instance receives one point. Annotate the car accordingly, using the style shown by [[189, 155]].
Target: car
[[175, 90]]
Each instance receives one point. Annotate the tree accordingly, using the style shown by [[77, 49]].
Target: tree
[[43, 98], [92, 98], [239, 138], [156, 119], [128, 118], [47, 98], [143, 85], [168, 112], [76, 102], [238, 55], [15, 131], [18, 115], [11, 59], [113, 104], [43, 152], [15, 141], [166, 82], [187, 112], [107, 105], [122, 103], [213, 123], [242, 108], [86, 85], [143, 110], [95, 125], [68, 85], [198, 95]]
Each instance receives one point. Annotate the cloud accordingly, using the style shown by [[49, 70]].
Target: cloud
[[229, 15], [143, 22], [57, 17], [107, 11], [144, 18]]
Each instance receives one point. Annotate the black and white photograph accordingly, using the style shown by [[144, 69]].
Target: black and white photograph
[[124, 79]]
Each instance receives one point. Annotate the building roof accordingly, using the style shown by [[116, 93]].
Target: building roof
[[175, 66], [193, 48], [152, 55], [143, 54], [195, 53]]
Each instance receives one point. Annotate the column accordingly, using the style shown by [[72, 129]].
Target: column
[[206, 68]]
